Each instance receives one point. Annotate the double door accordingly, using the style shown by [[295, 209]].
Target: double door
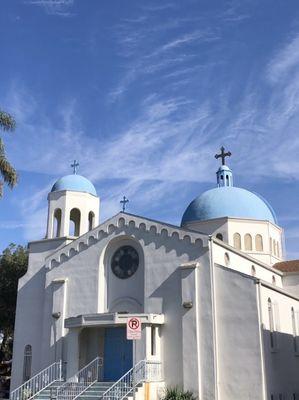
[[118, 354]]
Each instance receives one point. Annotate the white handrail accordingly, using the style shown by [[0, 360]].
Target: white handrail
[[143, 371], [38, 382], [81, 381]]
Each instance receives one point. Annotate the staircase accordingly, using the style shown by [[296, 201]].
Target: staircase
[[46, 393], [95, 391]]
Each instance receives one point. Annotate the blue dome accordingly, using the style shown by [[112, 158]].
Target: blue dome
[[228, 201], [74, 182]]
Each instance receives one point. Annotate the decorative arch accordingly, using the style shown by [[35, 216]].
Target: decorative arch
[[125, 304], [112, 288], [259, 243], [248, 242], [75, 221], [91, 219], [27, 362], [56, 232], [237, 241]]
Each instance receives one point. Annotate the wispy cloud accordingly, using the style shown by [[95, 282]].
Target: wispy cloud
[[53, 7]]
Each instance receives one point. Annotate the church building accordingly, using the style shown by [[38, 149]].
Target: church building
[[216, 302]]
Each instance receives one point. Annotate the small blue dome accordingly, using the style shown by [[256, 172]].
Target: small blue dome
[[74, 182], [228, 201]]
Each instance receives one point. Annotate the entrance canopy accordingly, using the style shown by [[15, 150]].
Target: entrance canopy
[[111, 319]]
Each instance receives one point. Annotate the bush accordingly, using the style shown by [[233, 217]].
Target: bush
[[177, 393]]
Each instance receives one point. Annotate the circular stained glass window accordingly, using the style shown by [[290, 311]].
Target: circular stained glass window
[[125, 262]]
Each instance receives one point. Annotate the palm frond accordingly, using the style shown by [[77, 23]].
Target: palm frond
[[9, 174], [7, 122]]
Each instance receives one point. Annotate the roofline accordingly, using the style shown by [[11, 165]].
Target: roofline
[[244, 255]]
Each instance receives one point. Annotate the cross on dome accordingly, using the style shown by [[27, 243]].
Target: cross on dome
[[222, 155], [124, 201], [75, 166]]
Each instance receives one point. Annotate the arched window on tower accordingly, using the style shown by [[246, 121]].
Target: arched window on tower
[[271, 246], [56, 223], [237, 241], [248, 242], [90, 220], [219, 236], [27, 362], [275, 247], [75, 217], [259, 243], [253, 271]]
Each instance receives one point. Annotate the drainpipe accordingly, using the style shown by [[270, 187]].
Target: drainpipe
[[214, 317], [260, 318]]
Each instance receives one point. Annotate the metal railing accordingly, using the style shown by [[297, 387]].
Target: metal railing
[[38, 382], [143, 371], [80, 382]]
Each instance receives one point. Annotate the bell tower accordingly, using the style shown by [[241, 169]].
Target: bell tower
[[73, 206]]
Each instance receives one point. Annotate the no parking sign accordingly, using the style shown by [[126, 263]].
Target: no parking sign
[[133, 328]]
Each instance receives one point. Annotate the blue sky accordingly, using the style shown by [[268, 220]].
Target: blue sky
[[143, 94]]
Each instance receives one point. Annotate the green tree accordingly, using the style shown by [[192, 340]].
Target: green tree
[[13, 265], [7, 171]]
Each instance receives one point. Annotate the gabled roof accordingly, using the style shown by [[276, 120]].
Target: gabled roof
[[121, 220]]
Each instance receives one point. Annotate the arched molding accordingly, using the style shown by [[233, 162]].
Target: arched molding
[[105, 267], [237, 241], [259, 246], [27, 362], [126, 304], [248, 242], [101, 232], [219, 236], [75, 222], [57, 217]]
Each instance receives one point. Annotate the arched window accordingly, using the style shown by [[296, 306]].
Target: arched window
[[273, 280], [271, 245], [75, 218], [27, 362], [275, 247], [237, 241], [219, 236], [56, 223], [259, 243], [248, 242], [271, 324], [226, 259], [294, 327], [253, 271], [90, 220]]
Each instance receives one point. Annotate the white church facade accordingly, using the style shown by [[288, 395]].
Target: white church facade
[[217, 302]]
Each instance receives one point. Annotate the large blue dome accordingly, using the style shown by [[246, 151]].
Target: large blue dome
[[76, 183], [228, 201]]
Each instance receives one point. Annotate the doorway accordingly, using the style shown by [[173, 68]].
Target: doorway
[[118, 354]]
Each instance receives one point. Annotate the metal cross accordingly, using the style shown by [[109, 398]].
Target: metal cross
[[222, 155], [75, 166], [124, 201]]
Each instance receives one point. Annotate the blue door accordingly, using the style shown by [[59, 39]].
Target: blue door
[[118, 354]]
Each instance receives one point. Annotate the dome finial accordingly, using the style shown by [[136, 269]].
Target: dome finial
[[75, 166], [224, 174], [222, 155]]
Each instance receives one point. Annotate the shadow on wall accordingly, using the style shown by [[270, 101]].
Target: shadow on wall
[[281, 354]]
